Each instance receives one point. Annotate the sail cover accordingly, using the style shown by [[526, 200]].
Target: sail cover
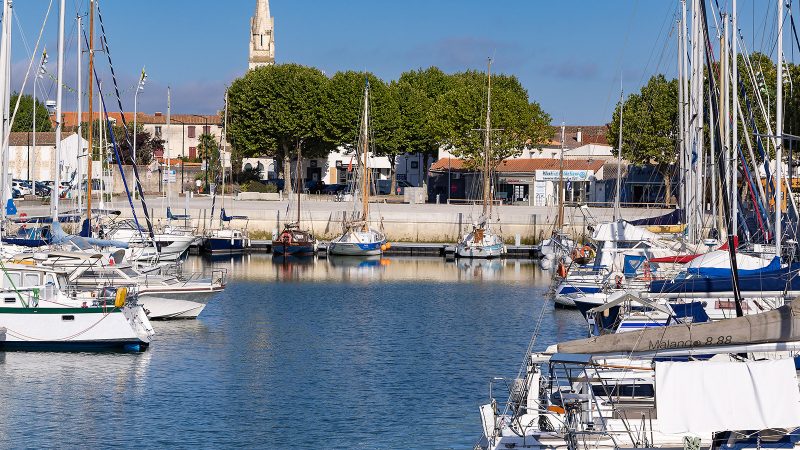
[[778, 325], [676, 217], [708, 396]]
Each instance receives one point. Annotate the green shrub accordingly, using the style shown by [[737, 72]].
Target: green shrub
[[257, 186]]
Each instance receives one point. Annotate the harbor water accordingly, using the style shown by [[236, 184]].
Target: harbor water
[[338, 353]]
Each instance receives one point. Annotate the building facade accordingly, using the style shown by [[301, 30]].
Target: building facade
[[533, 181], [29, 162]]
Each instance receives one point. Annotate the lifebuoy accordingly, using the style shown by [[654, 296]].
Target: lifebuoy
[[23, 217]]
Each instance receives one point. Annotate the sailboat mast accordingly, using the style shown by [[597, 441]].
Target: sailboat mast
[[365, 151], [59, 118], [735, 124], [617, 196], [779, 135], [169, 153], [90, 125], [5, 103], [78, 66], [487, 143], [561, 180], [297, 171]]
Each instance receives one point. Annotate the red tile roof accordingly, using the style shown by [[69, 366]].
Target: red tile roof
[[71, 118], [523, 165], [24, 138]]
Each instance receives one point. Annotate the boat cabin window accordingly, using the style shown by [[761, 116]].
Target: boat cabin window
[[10, 300], [624, 390], [68, 318], [12, 279], [50, 279], [32, 279]]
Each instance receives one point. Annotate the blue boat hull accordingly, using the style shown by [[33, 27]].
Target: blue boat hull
[[280, 248], [223, 245], [133, 346]]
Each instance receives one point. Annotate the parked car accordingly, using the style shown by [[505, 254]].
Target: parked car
[[333, 189], [314, 187], [42, 189], [384, 187], [19, 185]]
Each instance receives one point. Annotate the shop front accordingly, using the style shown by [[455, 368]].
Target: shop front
[[577, 186]]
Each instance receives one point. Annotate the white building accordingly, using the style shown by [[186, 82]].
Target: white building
[[38, 163], [339, 167]]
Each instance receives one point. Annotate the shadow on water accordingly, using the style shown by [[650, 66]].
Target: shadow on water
[[300, 352]]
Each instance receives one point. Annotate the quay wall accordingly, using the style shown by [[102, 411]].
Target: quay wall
[[401, 223]]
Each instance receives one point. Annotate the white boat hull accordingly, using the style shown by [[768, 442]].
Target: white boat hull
[[358, 243], [93, 328], [164, 305]]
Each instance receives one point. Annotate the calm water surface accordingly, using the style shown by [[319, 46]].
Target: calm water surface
[[328, 354]]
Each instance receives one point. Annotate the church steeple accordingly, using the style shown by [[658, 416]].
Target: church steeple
[[262, 38]]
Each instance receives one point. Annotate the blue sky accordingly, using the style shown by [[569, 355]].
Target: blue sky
[[569, 55]]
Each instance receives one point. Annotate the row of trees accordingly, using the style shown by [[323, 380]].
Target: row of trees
[[280, 110], [650, 117]]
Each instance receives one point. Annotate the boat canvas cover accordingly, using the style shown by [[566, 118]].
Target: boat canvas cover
[[778, 325], [702, 397], [676, 217], [622, 231], [718, 264]]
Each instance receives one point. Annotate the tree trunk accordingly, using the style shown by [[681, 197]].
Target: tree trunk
[[424, 168], [287, 170], [393, 175], [667, 186]]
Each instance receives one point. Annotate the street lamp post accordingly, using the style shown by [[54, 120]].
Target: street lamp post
[[139, 88], [42, 70]]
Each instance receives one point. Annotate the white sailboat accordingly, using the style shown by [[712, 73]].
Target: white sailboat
[[359, 239], [482, 241]]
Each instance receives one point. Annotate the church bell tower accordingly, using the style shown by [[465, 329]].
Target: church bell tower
[[262, 37]]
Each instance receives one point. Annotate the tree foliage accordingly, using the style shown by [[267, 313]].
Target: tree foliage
[[146, 143], [649, 126], [277, 110], [24, 119], [458, 118]]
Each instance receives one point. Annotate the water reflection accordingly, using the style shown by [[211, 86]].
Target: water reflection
[[261, 267], [339, 340]]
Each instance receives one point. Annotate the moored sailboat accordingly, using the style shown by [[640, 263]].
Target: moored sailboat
[[295, 240], [482, 241], [358, 238]]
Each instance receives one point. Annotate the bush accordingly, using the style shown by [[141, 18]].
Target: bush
[[257, 186]]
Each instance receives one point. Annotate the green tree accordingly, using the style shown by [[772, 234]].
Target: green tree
[[24, 118], [343, 116], [459, 115], [649, 131], [417, 92], [146, 144], [275, 111]]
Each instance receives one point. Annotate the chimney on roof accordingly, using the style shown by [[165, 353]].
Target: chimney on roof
[[158, 114], [579, 136]]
